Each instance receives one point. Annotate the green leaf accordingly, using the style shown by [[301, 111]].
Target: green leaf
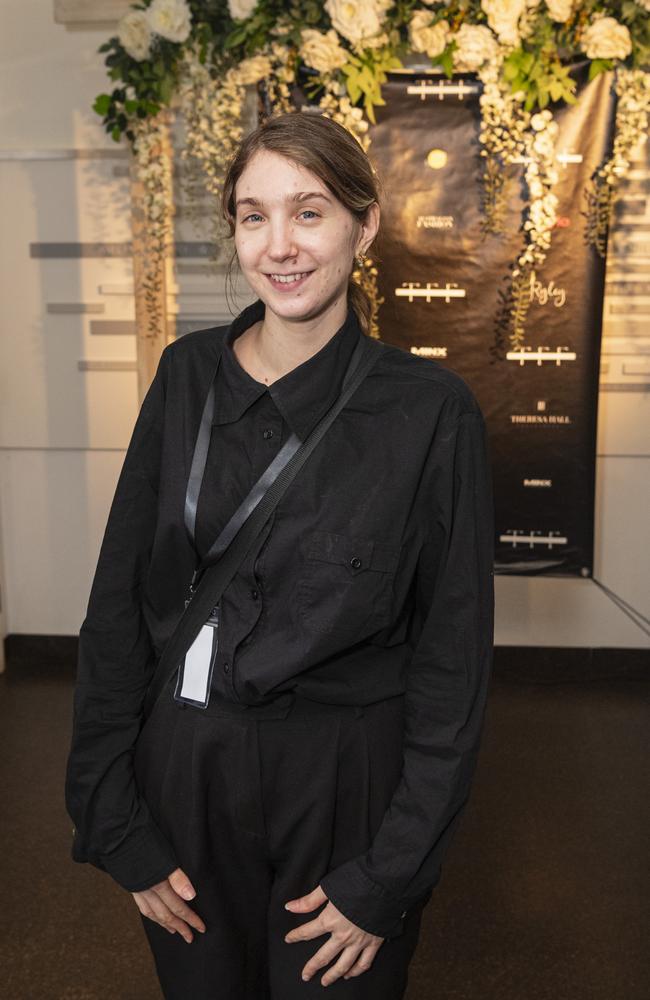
[[447, 62], [116, 132], [599, 66], [354, 90], [166, 88], [102, 104]]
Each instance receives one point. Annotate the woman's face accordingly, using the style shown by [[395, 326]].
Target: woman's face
[[295, 241]]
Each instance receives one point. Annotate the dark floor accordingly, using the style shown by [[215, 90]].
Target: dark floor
[[544, 893]]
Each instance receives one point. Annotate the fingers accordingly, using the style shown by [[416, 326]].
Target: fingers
[[178, 907], [163, 903], [151, 905], [181, 884], [363, 962], [324, 956]]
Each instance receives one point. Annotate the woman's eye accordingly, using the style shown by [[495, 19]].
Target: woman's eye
[[310, 213]]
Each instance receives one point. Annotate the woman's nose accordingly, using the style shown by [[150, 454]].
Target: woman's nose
[[281, 242]]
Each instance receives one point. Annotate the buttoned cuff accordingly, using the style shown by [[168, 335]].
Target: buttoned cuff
[[142, 861], [364, 902]]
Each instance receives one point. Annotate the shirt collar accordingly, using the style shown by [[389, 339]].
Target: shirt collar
[[304, 394]]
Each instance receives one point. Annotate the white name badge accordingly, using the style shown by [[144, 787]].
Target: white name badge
[[195, 671]]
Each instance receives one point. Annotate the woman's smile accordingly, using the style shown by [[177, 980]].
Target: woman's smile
[[288, 282]]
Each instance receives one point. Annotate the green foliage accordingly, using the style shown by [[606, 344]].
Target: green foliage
[[365, 74], [541, 76], [540, 67]]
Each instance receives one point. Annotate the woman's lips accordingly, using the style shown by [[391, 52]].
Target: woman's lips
[[289, 286]]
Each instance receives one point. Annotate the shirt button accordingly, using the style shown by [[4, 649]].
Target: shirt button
[[226, 668], [355, 562], [255, 594], [268, 433]]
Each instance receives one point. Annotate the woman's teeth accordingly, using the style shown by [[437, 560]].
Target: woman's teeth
[[286, 279]]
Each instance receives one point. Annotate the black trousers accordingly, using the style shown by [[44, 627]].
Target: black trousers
[[259, 804]]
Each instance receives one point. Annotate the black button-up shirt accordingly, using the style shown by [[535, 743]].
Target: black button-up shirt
[[373, 577]]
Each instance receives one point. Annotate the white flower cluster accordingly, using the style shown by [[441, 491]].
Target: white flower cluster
[[632, 118], [171, 19], [541, 174], [503, 17], [605, 38], [359, 21], [427, 37], [504, 121], [153, 169], [280, 77], [336, 104], [476, 45], [560, 10], [213, 118], [509, 133], [241, 9], [322, 50]]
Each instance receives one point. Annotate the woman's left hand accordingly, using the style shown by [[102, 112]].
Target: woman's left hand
[[358, 948]]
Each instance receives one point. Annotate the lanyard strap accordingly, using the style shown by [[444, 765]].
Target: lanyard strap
[[268, 477]]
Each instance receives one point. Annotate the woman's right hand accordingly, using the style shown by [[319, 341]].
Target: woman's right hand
[[165, 904]]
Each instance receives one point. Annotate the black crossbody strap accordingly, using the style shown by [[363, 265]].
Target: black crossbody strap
[[216, 576]]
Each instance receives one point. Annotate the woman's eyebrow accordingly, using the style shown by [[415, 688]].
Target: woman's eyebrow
[[300, 196]]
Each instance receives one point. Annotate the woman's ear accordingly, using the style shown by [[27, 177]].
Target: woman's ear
[[369, 228]]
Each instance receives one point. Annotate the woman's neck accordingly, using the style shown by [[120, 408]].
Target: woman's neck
[[274, 346]]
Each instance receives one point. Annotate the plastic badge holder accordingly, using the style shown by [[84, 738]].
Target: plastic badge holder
[[195, 671]]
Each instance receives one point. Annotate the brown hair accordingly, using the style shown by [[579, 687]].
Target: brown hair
[[329, 151]]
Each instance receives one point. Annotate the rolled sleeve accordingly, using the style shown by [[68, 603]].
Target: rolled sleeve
[[446, 692], [112, 826]]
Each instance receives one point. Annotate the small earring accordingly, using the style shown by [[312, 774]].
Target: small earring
[[360, 257]]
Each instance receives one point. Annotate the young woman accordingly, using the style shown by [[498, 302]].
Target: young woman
[[283, 831]]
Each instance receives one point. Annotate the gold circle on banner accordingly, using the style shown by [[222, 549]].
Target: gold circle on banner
[[436, 159]]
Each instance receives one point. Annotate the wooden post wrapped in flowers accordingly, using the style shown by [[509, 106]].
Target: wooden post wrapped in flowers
[[199, 56]]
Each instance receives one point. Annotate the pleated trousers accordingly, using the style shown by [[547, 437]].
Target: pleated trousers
[[259, 804]]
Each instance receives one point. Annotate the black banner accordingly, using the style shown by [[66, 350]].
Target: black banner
[[443, 284]]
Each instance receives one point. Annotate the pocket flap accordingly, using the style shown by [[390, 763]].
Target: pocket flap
[[358, 554]]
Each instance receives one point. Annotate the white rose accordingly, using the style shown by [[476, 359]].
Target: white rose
[[559, 10], [254, 69], [171, 19], [605, 38], [503, 17], [241, 9], [645, 4], [476, 44], [322, 50], [355, 19], [134, 34], [428, 37]]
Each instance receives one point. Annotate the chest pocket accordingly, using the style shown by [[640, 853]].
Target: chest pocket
[[345, 586]]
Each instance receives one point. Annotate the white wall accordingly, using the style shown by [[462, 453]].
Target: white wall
[[68, 394]]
